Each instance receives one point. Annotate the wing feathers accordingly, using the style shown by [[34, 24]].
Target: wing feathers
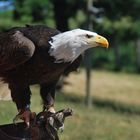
[[15, 49]]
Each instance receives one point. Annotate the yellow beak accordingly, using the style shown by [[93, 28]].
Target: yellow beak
[[102, 41], [98, 40]]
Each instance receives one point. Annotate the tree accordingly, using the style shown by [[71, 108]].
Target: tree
[[33, 10], [65, 9], [121, 24]]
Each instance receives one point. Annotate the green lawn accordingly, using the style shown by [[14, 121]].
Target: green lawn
[[102, 122]]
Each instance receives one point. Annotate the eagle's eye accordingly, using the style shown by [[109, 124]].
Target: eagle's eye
[[88, 36]]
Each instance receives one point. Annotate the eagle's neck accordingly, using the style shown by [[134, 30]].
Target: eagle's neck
[[65, 47]]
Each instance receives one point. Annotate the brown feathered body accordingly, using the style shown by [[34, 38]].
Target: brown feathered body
[[24, 61]]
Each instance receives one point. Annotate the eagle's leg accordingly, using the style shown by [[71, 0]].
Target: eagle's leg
[[48, 95], [21, 96]]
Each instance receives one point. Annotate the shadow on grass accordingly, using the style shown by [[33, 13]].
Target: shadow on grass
[[117, 107]]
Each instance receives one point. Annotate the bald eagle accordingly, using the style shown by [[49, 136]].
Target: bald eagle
[[40, 55]]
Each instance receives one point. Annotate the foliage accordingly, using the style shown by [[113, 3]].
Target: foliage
[[32, 10], [120, 24]]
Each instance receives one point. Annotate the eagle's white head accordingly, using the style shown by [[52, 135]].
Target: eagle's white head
[[67, 46]]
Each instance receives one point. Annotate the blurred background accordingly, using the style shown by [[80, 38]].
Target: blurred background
[[105, 92]]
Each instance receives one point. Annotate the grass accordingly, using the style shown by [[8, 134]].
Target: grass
[[100, 122], [109, 86]]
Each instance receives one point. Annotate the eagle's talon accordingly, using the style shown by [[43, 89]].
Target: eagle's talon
[[26, 116], [16, 118], [51, 110]]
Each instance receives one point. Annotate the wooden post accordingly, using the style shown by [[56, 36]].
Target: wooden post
[[88, 64], [138, 54]]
